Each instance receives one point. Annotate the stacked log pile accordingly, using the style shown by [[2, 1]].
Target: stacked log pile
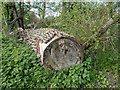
[[55, 48]]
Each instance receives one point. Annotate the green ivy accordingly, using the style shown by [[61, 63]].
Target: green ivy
[[17, 61], [21, 69]]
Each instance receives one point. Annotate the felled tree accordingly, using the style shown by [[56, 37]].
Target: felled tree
[[55, 48]]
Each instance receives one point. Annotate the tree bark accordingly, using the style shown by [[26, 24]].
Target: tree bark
[[21, 9], [43, 11], [16, 15], [63, 8], [7, 12]]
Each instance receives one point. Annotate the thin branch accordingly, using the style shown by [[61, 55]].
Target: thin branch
[[51, 8], [17, 18], [5, 20]]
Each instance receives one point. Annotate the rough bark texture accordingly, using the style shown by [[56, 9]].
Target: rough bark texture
[[44, 7], [21, 14], [55, 48], [16, 15]]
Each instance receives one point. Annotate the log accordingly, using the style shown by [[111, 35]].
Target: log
[[55, 48]]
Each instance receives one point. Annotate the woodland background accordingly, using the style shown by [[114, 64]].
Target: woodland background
[[82, 20]]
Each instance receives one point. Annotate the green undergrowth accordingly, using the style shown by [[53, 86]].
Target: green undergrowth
[[107, 61], [21, 69]]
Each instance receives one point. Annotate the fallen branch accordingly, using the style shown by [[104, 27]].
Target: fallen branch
[[104, 28]]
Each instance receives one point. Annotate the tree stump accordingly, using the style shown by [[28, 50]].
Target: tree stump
[[55, 48]]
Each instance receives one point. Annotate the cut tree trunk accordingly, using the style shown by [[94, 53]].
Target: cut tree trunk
[[55, 48]]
